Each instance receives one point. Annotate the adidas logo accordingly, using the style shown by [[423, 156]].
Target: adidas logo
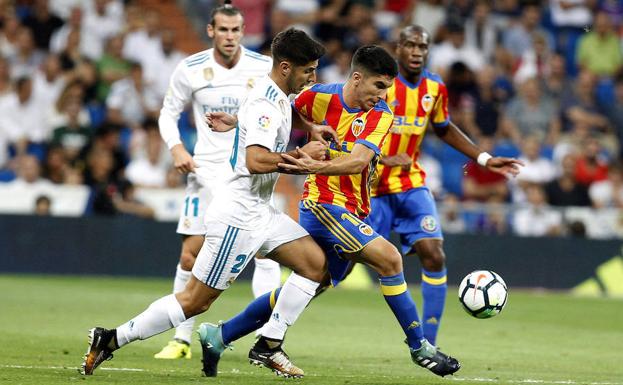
[[606, 281], [432, 321], [413, 325]]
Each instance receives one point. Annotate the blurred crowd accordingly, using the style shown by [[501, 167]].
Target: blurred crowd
[[81, 83]]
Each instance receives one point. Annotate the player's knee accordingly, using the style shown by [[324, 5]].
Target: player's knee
[[432, 257], [193, 305], [391, 263], [187, 260]]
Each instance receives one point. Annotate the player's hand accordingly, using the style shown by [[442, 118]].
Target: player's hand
[[182, 160], [399, 160], [508, 167], [220, 121], [316, 150], [303, 165], [322, 133]]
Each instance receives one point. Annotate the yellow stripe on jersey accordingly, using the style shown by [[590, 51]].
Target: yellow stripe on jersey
[[394, 290], [321, 104]]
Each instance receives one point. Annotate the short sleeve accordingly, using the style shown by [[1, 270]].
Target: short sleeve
[[440, 116], [261, 122], [304, 102], [375, 130]]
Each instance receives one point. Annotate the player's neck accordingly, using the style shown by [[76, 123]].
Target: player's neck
[[227, 62], [280, 81], [411, 77], [348, 95]]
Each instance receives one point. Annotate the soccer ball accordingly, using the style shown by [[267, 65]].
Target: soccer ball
[[483, 293]]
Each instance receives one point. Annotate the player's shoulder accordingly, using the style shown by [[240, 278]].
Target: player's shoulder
[[253, 56], [382, 107], [198, 58], [265, 92], [432, 76], [320, 88]]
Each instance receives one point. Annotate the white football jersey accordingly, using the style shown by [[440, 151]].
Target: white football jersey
[[210, 87], [265, 119]]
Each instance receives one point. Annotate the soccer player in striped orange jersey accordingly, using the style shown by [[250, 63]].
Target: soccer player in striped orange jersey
[[336, 198], [400, 199]]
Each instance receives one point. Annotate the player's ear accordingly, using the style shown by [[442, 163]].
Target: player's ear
[[210, 31], [357, 77], [285, 68]]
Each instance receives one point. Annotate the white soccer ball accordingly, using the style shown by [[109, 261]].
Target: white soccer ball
[[483, 293]]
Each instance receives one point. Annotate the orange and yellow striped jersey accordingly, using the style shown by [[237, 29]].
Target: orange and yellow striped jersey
[[414, 105], [324, 104]]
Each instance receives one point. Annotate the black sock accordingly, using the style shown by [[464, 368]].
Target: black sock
[[268, 344]]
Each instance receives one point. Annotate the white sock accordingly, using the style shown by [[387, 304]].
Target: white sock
[[185, 330], [293, 298], [160, 316], [266, 276]]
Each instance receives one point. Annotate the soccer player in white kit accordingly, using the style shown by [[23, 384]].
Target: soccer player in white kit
[[215, 80], [240, 221]]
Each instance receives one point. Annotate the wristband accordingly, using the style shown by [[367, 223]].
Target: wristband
[[483, 157]]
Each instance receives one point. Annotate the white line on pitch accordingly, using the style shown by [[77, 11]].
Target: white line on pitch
[[68, 367], [534, 381]]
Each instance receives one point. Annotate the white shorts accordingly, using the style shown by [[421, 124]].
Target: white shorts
[[226, 249], [198, 196]]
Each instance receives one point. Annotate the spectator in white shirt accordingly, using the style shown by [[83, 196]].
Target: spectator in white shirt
[[143, 45], [21, 116], [101, 21], [131, 100], [26, 58], [158, 71], [537, 169], [149, 171], [609, 192], [453, 50], [29, 174], [537, 219]]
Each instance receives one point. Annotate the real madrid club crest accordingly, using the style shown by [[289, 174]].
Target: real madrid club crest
[[427, 102], [208, 73], [357, 126], [250, 83]]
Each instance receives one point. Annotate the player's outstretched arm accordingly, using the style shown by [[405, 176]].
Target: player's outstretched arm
[[220, 121], [353, 163], [260, 160], [453, 135]]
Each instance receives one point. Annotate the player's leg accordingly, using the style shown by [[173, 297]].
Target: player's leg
[[179, 347], [160, 316], [418, 225], [434, 285], [291, 246], [222, 257], [385, 259], [266, 276]]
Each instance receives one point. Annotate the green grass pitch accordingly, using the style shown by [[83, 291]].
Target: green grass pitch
[[345, 337]]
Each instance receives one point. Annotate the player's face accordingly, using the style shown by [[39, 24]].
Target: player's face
[[226, 33], [302, 76], [412, 53], [370, 89]]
